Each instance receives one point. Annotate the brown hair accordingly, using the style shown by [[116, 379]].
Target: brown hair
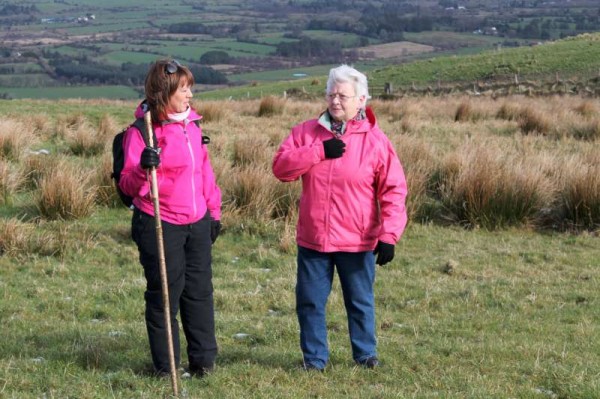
[[160, 85]]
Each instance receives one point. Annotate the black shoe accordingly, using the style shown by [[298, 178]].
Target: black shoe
[[200, 371], [370, 362]]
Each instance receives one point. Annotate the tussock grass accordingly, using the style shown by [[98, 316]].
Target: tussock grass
[[211, 111], [64, 192], [106, 193], [509, 112], [252, 150], [492, 189], [587, 109], [12, 179], [467, 112], [534, 122], [579, 192], [270, 106], [14, 140], [87, 141], [14, 236]]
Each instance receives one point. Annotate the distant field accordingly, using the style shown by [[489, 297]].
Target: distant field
[[393, 50], [109, 92]]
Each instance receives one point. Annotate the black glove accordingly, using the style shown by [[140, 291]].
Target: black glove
[[334, 148], [149, 158], [215, 230], [384, 252]]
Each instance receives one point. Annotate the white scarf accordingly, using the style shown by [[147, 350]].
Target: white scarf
[[181, 116]]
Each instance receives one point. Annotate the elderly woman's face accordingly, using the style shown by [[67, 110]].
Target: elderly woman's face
[[180, 100], [342, 102]]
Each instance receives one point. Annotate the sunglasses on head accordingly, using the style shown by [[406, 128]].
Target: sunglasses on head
[[171, 67]]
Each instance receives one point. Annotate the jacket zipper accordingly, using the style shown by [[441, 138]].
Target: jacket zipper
[[189, 144]]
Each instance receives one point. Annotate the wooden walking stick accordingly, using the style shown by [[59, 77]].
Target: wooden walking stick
[[161, 258]]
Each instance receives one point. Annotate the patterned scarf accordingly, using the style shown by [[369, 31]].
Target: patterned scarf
[[338, 127]]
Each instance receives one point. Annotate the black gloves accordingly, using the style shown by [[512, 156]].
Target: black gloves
[[384, 252], [149, 158], [215, 230], [334, 148]]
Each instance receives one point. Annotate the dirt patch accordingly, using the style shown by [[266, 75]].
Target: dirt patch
[[393, 50]]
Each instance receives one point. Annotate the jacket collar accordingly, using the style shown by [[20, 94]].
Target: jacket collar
[[351, 126]]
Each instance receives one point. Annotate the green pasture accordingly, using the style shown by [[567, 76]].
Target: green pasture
[[569, 56], [516, 318]]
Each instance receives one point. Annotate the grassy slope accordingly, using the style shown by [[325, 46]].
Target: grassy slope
[[569, 58]]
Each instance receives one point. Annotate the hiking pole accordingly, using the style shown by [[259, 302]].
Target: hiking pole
[[161, 259]]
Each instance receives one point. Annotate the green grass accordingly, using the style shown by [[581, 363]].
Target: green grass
[[517, 317]]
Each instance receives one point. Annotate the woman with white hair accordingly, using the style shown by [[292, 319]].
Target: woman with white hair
[[352, 209]]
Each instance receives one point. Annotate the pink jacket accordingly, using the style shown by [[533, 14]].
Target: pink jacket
[[347, 203], [186, 182]]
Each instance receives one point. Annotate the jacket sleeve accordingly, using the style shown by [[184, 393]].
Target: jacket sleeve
[[391, 195], [294, 158], [133, 179], [212, 192]]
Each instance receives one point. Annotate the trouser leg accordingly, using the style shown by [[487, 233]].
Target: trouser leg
[[144, 234], [357, 277], [197, 304], [313, 285]]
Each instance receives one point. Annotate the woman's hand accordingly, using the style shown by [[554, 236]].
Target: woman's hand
[[384, 252], [149, 158]]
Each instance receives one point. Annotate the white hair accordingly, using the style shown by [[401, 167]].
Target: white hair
[[344, 74]]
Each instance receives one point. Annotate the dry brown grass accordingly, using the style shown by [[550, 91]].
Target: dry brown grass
[[270, 106], [15, 236], [532, 121], [519, 161], [65, 192], [14, 139], [12, 179], [211, 111]]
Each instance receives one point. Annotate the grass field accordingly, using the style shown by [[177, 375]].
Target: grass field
[[509, 311]]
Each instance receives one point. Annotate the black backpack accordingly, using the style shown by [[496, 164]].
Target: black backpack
[[119, 155]]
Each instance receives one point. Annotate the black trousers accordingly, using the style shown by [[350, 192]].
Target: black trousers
[[189, 274]]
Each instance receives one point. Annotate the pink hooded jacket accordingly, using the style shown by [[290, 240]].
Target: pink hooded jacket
[[347, 203], [186, 182]]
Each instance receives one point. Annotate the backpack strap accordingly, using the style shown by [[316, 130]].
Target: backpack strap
[[140, 124]]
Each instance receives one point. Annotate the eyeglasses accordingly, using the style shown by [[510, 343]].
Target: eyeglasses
[[171, 67], [343, 98]]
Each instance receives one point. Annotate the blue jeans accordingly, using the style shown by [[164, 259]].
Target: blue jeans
[[314, 279]]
